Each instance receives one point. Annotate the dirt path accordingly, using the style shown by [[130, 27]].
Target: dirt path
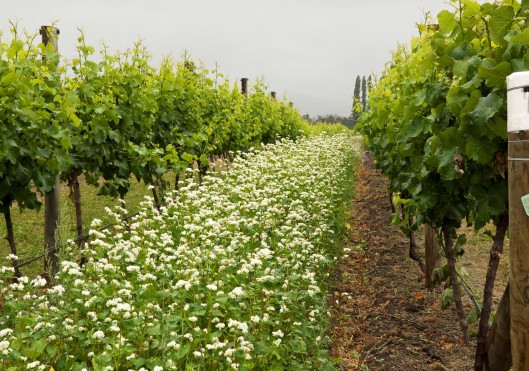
[[383, 318]]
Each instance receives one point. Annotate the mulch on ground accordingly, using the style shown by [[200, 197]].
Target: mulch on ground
[[382, 316]]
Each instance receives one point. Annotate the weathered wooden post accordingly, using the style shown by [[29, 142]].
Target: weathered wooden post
[[51, 199], [518, 152], [244, 86], [432, 256]]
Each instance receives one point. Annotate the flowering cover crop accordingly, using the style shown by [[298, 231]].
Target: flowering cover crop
[[228, 275]]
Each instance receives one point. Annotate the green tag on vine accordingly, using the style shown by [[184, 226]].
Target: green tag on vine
[[525, 202]]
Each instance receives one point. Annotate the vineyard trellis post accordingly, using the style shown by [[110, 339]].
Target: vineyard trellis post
[[518, 170], [51, 199], [244, 86]]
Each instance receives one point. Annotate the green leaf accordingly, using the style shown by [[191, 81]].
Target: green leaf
[[455, 99], [298, 346], [447, 297], [29, 114], [75, 120], [447, 23], [154, 330], [479, 149], [522, 37], [486, 108], [182, 352], [472, 316], [495, 75], [500, 23], [460, 68]]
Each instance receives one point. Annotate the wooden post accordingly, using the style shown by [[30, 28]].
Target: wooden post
[[273, 95], [432, 258], [518, 167], [244, 86], [51, 199]]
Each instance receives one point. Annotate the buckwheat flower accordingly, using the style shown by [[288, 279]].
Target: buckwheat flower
[[96, 223], [57, 290], [5, 332], [212, 287], [4, 345], [243, 327], [12, 257], [133, 268], [277, 342], [38, 282], [236, 292], [220, 325], [278, 333], [98, 334], [33, 365]]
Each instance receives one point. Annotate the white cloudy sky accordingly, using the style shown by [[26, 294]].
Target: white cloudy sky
[[309, 50]]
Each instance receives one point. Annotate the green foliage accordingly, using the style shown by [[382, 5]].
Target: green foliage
[[118, 117], [36, 116], [437, 120]]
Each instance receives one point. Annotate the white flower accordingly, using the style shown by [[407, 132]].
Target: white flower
[[33, 365], [5, 332], [98, 334], [236, 292]]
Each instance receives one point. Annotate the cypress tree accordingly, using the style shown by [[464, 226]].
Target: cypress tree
[[355, 115], [364, 93]]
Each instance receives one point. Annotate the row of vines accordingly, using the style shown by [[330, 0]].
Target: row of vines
[[114, 116], [437, 128]]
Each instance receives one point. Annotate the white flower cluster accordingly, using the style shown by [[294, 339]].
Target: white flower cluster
[[223, 273]]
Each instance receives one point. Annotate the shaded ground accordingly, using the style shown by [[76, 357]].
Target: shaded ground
[[382, 317]]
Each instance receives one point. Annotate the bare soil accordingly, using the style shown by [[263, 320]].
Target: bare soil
[[382, 316]]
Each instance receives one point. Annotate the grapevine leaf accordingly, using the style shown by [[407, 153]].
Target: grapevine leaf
[[495, 75], [415, 128], [29, 114], [455, 99], [460, 68], [480, 149], [486, 108], [522, 37], [500, 23], [498, 126], [447, 23]]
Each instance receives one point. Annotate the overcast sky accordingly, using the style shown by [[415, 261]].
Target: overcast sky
[[309, 50]]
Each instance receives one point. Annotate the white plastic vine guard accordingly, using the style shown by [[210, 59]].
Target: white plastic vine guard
[[518, 101]]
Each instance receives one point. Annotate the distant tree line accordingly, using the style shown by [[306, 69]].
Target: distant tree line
[[331, 119]]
